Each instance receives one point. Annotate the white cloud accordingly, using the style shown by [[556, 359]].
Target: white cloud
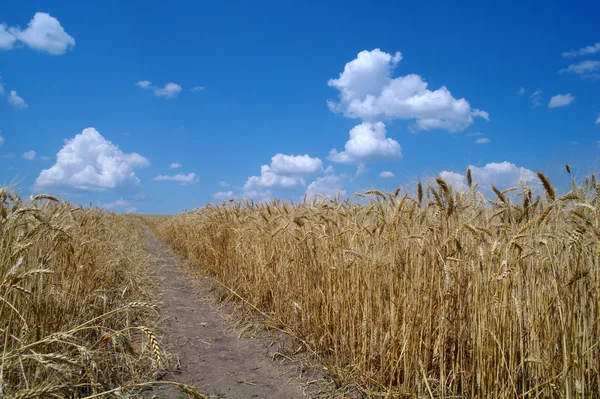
[[536, 98], [2, 140], [43, 33], [483, 140], [328, 186], [45, 158], [521, 91], [597, 121], [90, 162], [295, 164], [367, 142], [144, 84], [582, 68], [502, 175], [368, 91], [223, 184], [29, 155], [285, 171], [224, 195], [16, 101], [595, 48], [386, 175], [197, 88], [184, 180], [7, 40], [268, 179], [169, 91], [175, 165], [1, 85], [119, 204], [561, 100]]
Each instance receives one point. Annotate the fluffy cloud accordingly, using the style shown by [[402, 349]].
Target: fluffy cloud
[[502, 175], [169, 91], [482, 140], [175, 165], [386, 175], [16, 101], [120, 203], [43, 33], [268, 179], [368, 91], [595, 48], [285, 171], [561, 100], [521, 91], [224, 195], [295, 164], [328, 186], [536, 98], [90, 162], [7, 40], [144, 84], [29, 155], [367, 142], [184, 180]]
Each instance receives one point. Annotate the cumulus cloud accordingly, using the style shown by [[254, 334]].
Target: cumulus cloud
[[536, 98], [521, 91], [367, 142], [593, 49], [29, 155], [329, 186], [175, 165], [482, 140], [144, 84], [268, 179], [285, 171], [120, 203], [502, 175], [183, 180], [561, 100], [386, 175], [7, 40], [16, 101], [90, 162], [169, 91], [224, 195], [295, 164], [43, 33], [368, 91]]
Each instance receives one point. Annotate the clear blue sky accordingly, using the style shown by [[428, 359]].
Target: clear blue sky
[[222, 87]]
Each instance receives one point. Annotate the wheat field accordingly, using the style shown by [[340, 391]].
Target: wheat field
[[76, 309], [436, 294]]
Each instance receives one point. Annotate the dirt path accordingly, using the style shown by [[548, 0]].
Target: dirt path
[[212, 356]]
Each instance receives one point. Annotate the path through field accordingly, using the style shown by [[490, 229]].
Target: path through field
[[212, 356]]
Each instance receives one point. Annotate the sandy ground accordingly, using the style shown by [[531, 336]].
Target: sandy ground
[[216, 350]]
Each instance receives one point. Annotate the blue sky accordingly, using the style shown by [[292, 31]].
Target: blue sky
[[278, 99]]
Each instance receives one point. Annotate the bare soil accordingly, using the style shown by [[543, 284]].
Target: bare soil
[[219, 350]]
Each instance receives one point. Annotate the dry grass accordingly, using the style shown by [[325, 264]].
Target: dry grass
[[75, 320], [439, 295]]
